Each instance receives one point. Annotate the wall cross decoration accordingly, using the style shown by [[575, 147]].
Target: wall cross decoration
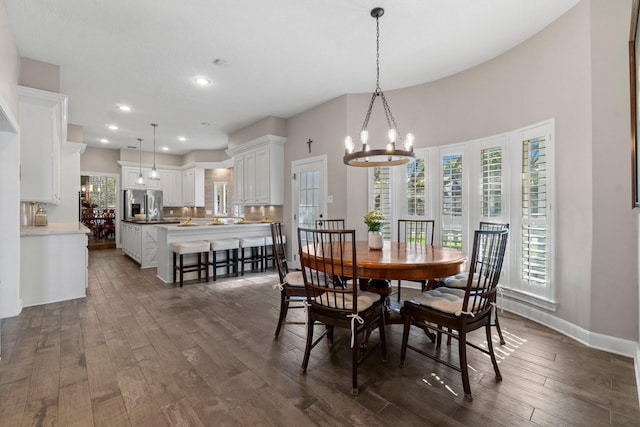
[[309, 142]]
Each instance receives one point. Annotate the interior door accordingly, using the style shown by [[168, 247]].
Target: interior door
[[309, 198]]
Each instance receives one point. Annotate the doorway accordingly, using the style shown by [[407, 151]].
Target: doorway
[[98, 209], [309, 197]]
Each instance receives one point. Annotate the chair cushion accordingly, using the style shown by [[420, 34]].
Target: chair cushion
[[294, 278], [365, 300], [224, 244], [193, 247], [460, 280], [251, 242], [446, 300]]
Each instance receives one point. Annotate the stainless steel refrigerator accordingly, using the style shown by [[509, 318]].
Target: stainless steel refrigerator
[[148, 202]]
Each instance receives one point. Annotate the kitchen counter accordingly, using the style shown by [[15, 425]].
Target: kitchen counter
[[173, 233], [150, 222], [53, 263], [55, 228]]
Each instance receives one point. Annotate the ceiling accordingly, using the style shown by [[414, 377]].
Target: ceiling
[[281, 56]]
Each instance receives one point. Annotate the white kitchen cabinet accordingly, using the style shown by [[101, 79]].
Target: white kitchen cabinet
[[193, 187], [54, 262], [171, 188], [259, 171], [130, 176], [140, 242], [131, 240], [43, 128]]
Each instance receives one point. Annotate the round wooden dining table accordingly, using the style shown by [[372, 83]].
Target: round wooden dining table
[[397, 261], [401, 261]]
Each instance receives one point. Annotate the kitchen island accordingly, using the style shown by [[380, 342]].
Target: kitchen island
[[175, 233], [139, 240], [53, 263]]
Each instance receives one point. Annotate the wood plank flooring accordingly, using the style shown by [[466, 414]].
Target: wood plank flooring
[[142, 353]]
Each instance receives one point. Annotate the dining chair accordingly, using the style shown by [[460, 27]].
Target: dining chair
[[459, 281], [455, 312], [330, 224], [329, 254], [291, 283], [415, 232], [109, 226]]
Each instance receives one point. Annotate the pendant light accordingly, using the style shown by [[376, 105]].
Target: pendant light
[[140, 180], [154, 172], [389, 156]]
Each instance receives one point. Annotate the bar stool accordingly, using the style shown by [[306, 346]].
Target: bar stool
[[200, 247], [256, 256], [226, 245], [270, 255]]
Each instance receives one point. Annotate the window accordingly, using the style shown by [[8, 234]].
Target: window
[[534, 212], [381, 198], [416, 188], [506, 178], [451, 201], [98, 192], [491, 182]]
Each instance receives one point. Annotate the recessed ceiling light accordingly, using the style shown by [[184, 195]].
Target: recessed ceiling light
[[165, 148], [104, 140], [182, 138], [124, 107], [202, 81], [113, 127]]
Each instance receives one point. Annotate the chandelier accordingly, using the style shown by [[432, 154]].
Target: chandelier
[[364, 156]]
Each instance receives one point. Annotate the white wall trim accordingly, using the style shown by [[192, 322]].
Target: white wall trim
[[595, 340], [637, 368]]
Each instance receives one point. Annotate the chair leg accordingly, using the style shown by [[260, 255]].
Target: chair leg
[[235, 262], [215, 269], [399, 288], [206, 265], [354, 368], [462, 352], [174, 267], [242, 262], [492, 354], [307, 349], [496, 323], [383, 336], [284, 305], [405, 335], [181, 269]]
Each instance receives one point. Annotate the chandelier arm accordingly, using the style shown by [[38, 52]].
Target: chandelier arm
[[391, 122], [368, 115]]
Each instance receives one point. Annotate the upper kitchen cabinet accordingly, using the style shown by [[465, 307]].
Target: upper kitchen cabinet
[[43, 129], [130, 176], [259, 171], [171, 187], [193, 187]]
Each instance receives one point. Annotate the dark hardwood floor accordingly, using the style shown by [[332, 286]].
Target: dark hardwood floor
[[143, 353]]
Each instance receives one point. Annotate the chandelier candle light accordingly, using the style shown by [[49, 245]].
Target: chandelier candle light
[[140, 179], [390, 156]]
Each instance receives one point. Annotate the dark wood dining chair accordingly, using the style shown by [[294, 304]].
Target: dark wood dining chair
[[415, 232], [455, 312], [331, 254], [291, 283], [459, 281], [109, 226], [330, 224]]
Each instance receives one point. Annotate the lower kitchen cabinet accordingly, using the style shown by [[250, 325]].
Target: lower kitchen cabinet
[[139, 242]]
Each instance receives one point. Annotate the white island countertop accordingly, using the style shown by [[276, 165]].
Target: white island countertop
[[55, 228]]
